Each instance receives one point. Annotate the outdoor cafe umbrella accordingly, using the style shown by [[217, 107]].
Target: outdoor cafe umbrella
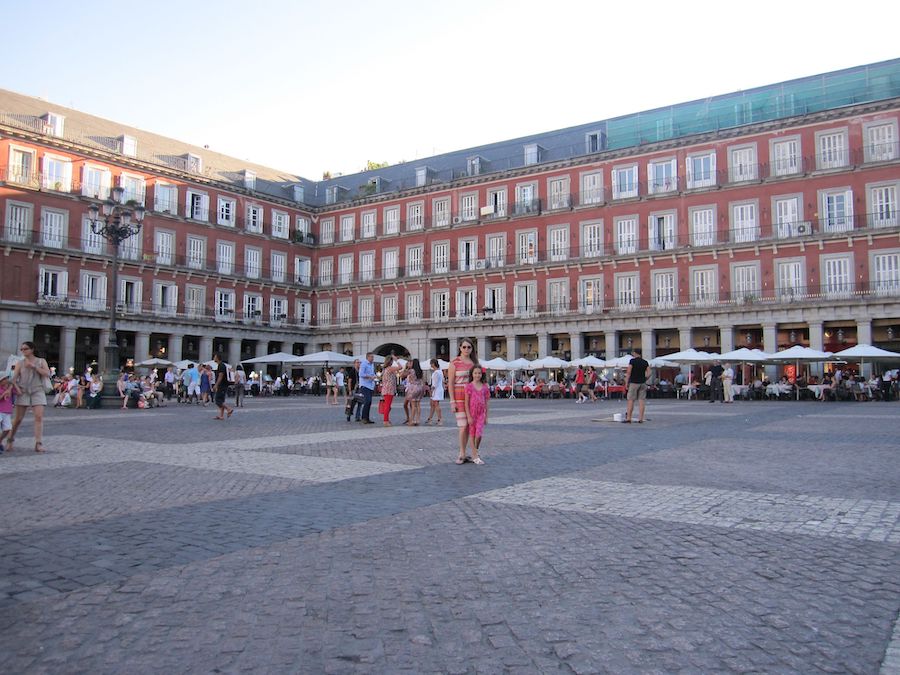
[[864, 352], [549, 363], [155, 363], [495, 364], [277, 357], [690, 356], [590, 361], [323, 358], [800, 354]]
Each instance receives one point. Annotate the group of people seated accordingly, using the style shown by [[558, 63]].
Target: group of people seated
[[77, 391], [140, 392]]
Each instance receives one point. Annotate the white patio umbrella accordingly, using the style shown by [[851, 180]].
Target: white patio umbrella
[[519, 364], [800, 354], [495, 364], [184, 363], [620, 362], [745, 355], [154, 363], [864, 352], [662, 363], [277, 357], [377, 359], [549, 362], [588, 362], [692, 355], [323, 358]]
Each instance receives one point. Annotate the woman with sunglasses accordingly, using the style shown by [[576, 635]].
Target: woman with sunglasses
[[28, 380], [458, 375]]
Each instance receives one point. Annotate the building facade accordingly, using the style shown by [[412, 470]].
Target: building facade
[[764, 219]]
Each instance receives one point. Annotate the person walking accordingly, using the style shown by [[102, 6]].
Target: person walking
[[367, 386], [7, 390], [437, 393], [329, 387], [220, 389], [28, 379], [415, 388], [716, 383], [727, 379], [388, 387], [636, 376], [580, 385], [240, 380], [205, 385], [477, 396], [169, 379], [459, 375], [352, 380]]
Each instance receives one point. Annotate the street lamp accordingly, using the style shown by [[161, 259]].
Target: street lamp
[[115, 221]]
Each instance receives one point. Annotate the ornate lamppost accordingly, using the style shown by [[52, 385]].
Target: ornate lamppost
[[115, 221]]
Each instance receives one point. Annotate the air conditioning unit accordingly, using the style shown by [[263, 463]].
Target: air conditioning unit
[[480, 264], [457, 220], [804, 229]]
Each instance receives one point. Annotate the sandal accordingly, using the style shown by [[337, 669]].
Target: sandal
[[460, 460], [39, 447], [478, 460]]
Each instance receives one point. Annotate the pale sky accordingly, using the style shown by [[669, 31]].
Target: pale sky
[[310, 85]]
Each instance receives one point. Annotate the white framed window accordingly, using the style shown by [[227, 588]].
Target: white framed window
[[468, 206], [466, 303], [53, 284], [558, 296], [495, 301], [164, 247], [745, 286], [367, 265], [278, 266], [130, 249], [253, 307], [440, 212], [326, 271], [527, 247], [558, 189], [594, 141], [277, 311], [195, 301], [590, 294], [881, 141], [91, 242], [303, 312], [440, 257], [281, 224], [592, 239], [249, 179], [837, 210], [345, 268], [165, 298], [468, 254], [392, 220], [496, 250], [837, 275], [558, 243], [661, 231], [786, 211], [703, 226], [390, 263], [883, 205], [626, 235], [254, 219], [701, 170], [54, 227], [135, 188], [526, 198], [664, 288], [196, 252], [885, 273], [19, 221], [345, 311], [790, 280], [440, 305], [628, 291], [742, 163], [744, 223], [93, 291], [474, 166], [704, 289], [326, 230], [525, 298], [496, 203], [415, 216], [302, 271], [415, 260], [367, 228], [57, 173], [128, 145], [348, 227], [302, 227], [131, 294], [831, 149], [323, 313], [165, 198], [662, 176], [591, 188], [22, 164], [389, 309], [785, 157], [413, 307], [196, 205], [367, 310], [225, 212], [422, 176], [532, 153], [225, 257], [96, 182], [625, 182]]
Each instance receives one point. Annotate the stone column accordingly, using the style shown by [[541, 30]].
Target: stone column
[[864, 337], [726, 338], [453, 347], [512, 347], [141, 346], [484, 348], [685, 338], [648, 344], [576, 341], [543, 345], [612, 344], [262, 347], [816, 335], [174, 351], [234, 351], [770, 345], [206, 346], [66, 349]]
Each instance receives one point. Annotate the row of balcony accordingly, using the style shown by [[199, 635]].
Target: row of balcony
[[571, 307]]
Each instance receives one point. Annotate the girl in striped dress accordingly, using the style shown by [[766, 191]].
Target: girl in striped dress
[[459, 374]]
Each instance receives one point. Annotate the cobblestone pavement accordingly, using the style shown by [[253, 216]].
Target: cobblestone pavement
[[758, 537]]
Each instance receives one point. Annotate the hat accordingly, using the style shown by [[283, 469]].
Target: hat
[[5, 374]]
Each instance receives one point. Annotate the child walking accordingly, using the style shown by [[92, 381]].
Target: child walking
[[6, 406], [477, 396]]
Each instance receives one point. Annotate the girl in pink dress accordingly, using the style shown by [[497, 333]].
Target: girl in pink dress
[[477, 396]]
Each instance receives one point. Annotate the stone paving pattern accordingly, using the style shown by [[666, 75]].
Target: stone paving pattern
[[758, 537]]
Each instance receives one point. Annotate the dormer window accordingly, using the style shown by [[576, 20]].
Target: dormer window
[[475, 166], [595, 141], [423, 176], [128, 145], [194, 163], [249, 179], [298, 193], [532, 153], [53, 124]]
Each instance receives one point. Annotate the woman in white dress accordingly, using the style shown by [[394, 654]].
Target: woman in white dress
[[437, 393]]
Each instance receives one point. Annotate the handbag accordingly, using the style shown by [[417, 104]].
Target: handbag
[[358, 396]]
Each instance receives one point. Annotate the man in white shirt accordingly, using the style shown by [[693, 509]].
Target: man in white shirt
[[727, 379]]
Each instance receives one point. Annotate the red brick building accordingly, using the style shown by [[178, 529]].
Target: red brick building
[[764, 218]]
